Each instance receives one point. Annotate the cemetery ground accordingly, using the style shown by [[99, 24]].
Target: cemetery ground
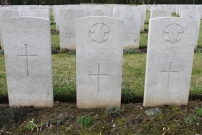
[[66, 118]]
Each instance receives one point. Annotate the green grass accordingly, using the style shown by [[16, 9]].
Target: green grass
[[134, 72], [196, 80], [146, 22], [64, 70], [144, 35], [3, 86], [64, 76], [199, 112], [174, 15], [143, 39], [200, 36], [55, 38], [55, 41]]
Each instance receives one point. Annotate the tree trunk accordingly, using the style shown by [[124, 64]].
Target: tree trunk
[[142, 2]]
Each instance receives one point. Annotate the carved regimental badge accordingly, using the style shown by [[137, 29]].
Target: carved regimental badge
[[68, 15], [99, 33], [191, 16], [7, 15], [173, 33], [130, 15], [161, 14]]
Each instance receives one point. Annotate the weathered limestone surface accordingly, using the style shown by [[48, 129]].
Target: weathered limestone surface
[[169, 61], [5, 14], [160, 13], [99, 55], [28, 61], [67, 29]]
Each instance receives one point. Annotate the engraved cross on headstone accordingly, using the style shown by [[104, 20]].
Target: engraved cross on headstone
[[170, 71], [99, 75], [26, 55]]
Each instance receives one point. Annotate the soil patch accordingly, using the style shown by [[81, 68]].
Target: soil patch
[[63, 117]]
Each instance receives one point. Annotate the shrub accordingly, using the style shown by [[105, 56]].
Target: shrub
[[199, 112], [113, 110], [31, 125], [85, 121], [128, 94], [191, 120]]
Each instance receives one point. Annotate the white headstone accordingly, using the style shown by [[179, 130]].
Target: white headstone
[[99, 55], [169, 61], [57, 15], [5, 8], [177, 9], [148, 7], [132, 20], [199, 8], [41, 13], [5, 14], [67, 29], [28, 59], [82, 10], [142, 10], [192, 7], [33, 7], [195, 16], [156, 7], [160, 13], [183, 7], [102, 11], [23, 11], [168, 7], [14, 8], [43, 7], [174, 8]]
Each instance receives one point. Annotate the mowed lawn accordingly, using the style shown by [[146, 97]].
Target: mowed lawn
[[134, 63]]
